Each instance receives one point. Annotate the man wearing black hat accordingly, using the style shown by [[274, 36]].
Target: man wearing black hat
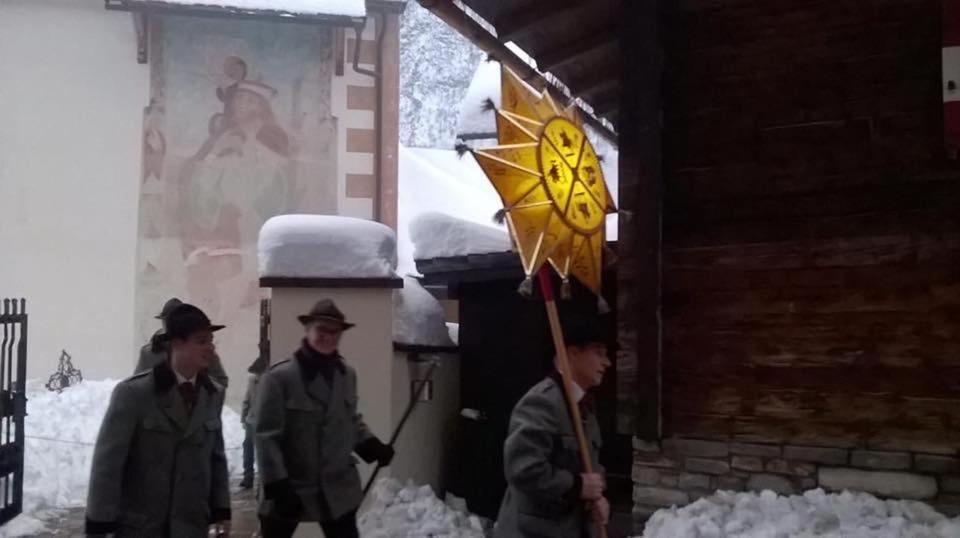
[[307, 427], [155, 351], [159, 468], [548, 494]]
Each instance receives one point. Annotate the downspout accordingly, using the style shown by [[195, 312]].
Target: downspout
[[376, 74]]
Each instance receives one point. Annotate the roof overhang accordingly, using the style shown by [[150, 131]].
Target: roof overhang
[[227, 11], [574, 43]]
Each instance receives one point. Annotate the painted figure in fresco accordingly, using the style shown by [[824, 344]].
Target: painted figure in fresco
[[237, 180]]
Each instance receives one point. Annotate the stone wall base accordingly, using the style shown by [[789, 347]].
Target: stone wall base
[[678, 471]]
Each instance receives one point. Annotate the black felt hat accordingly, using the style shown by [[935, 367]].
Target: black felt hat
[[326, 310], [168, 307], [186, 319]]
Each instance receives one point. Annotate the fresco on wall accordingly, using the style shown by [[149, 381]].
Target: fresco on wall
[[238, 130]]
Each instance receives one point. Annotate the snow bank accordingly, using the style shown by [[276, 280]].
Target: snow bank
[[412, 511], [322, 246], [349, 8], [418, 318], [61, 430], [815, 513], [25, 525], [434, 180], [436, 235]]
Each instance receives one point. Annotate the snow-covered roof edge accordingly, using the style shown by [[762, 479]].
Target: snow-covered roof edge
[[346, 11]]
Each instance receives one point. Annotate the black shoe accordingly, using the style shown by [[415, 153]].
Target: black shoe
[[246, 483]]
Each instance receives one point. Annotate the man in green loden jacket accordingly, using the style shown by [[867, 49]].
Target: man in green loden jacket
[[307, 429], [159, 468], [548, 492]]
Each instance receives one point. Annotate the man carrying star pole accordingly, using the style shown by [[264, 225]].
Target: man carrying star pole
[[548, 494]]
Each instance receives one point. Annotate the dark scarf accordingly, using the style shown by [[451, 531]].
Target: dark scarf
[[312, 363]]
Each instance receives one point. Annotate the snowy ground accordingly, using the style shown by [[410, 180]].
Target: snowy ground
[[815, 513], [60, 432], [412, 511]]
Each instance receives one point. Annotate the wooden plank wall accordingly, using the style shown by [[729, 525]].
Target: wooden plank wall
[[811, 264]]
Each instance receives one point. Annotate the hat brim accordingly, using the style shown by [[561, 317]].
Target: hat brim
[[164, 335], [305, 319]]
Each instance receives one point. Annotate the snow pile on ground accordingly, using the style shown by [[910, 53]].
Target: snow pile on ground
[[412, 511], [436, 235], [349, 8], [323, 246], [815, 513], [433, 180], [60, 431], [418, 318], [25, 525]]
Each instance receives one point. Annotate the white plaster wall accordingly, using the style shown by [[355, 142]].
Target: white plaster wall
[[71, 102], [427, 440]]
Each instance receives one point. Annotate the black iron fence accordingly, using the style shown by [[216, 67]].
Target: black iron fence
[[13, 405]]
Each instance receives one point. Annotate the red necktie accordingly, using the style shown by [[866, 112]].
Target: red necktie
[[189, 393]]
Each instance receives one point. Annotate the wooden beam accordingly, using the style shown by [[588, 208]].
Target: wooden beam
[[460, 21], [389, 66], [593, 84], [639, 360], [575, 49], [604, 105], [517, 23]]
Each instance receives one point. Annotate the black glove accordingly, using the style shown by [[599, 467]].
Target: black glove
[[372, 450], [287, 502]]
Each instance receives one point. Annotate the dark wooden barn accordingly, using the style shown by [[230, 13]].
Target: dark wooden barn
[[789, 246]]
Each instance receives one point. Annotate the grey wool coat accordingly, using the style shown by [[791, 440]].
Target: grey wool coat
[[306, 432], [542, 467], [158, 470], [152, 355]]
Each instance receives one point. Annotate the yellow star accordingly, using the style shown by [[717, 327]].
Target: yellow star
[[551, 183]]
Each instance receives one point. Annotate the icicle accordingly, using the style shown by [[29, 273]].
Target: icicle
[[526, 287], [565, 292], [602, 306]]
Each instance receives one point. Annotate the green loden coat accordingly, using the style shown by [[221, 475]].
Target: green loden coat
[[158, 470], [542, 467], [306, 433]]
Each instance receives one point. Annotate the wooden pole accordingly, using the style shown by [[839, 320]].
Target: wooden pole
[[546, 287]]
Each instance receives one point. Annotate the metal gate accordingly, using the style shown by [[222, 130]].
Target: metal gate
[[13, 405]]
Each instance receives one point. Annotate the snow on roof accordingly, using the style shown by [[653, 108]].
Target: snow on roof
[[418, 317], [346, 8], [322, 246], [438, 180], [437, 235], [474, 120], [815, 513]]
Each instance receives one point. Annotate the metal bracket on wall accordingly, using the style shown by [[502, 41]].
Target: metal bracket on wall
[[141, 27]]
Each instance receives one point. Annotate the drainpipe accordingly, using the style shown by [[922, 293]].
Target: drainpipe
[[376, 74]]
